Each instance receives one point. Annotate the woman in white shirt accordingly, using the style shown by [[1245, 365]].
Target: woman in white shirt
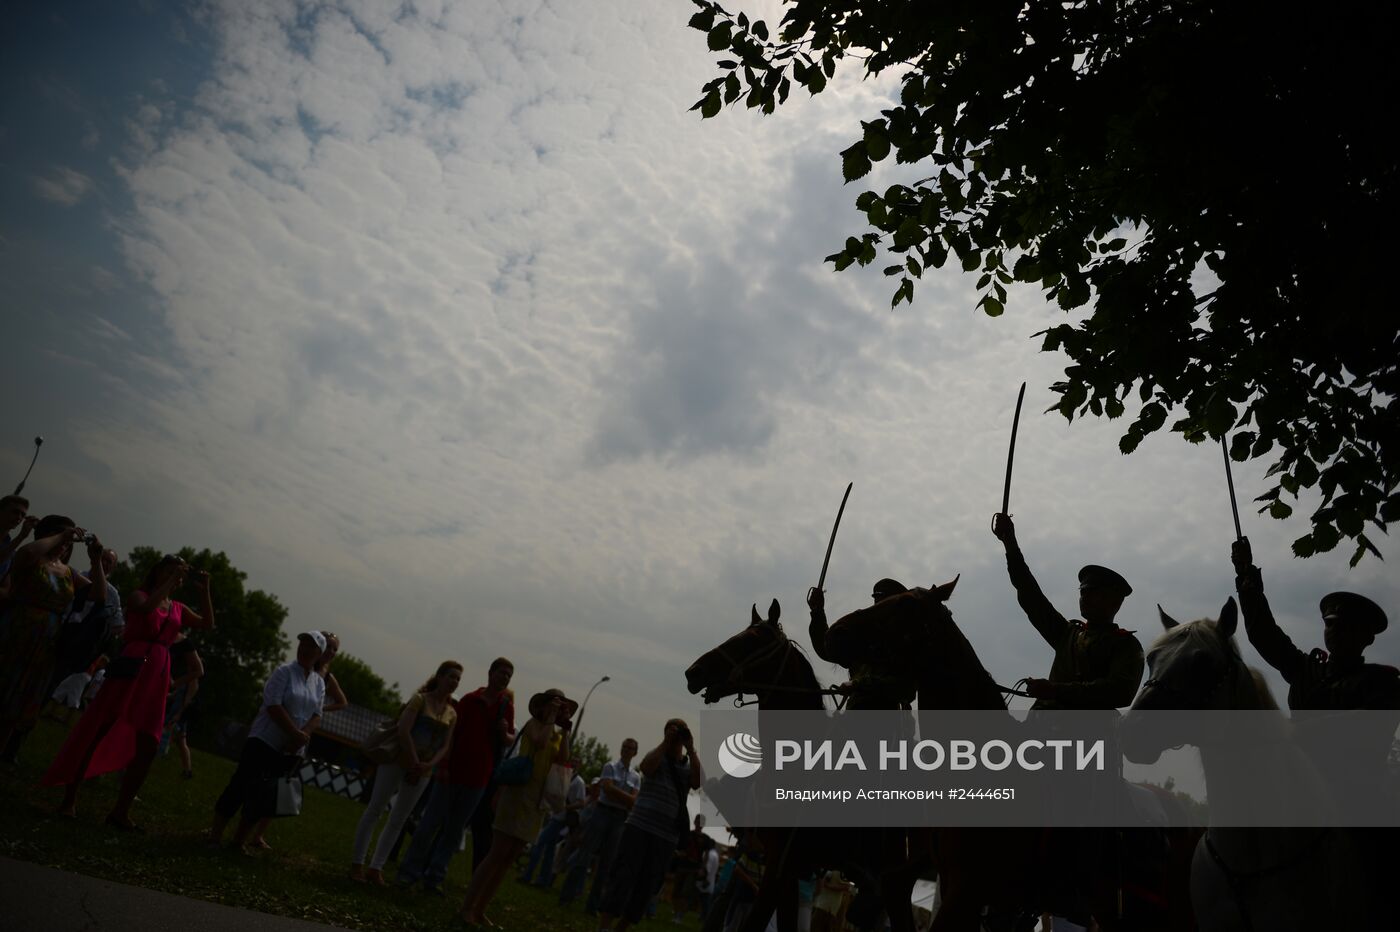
[[291, 710]]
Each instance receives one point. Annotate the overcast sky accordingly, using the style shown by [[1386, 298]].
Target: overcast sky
[[455, 329]]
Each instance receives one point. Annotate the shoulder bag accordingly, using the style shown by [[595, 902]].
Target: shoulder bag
[[515, 769]]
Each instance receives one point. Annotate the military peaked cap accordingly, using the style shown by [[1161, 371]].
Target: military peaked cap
[[888, 587], [1353, 607], [1101, 577]]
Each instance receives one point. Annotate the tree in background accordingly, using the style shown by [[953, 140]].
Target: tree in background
[[1209, 192], [364, 687], [592, 756], [242, 649]]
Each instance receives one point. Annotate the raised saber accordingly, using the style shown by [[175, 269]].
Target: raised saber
[[1011, 453], [38, 442], [1230, 481], [826, 561]]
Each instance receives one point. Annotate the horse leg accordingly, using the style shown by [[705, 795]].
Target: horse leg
[[897, 892], [961, 907]]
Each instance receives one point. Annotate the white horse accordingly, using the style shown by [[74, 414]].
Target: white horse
[[1244, 879]]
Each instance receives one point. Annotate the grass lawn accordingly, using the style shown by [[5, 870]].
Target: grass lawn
[[305, 876]]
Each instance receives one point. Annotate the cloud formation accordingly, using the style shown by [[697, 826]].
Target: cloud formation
[[460, 333], [63, 186]]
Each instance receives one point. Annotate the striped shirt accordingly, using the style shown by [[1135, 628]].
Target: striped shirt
[[657, 804], [621, 776]]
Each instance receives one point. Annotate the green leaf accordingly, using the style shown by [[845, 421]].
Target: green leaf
[[703, 20], [1304, 547], [1350, 522], [1306, 472], [719, 37], [1325, 537], [1280, 510], [877, 145], [912, 90], [732, 88], [854, 163], [1220, 415], [1026, 269], [905, 293], [1390, 510], [992, 307], [710, 105]]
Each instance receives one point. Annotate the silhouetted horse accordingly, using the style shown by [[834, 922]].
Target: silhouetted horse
[[763, 662], [1245, 879], [1000, 869]]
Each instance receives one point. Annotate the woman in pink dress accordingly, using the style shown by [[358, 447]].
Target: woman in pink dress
[[122, 726]]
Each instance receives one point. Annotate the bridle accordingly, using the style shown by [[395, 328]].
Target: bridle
[[1233, 664], [740, 668]]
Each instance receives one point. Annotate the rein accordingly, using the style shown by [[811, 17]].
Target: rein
[[1236, 879], [1015, 689]]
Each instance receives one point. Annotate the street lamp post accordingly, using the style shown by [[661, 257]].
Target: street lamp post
[[578, 725]]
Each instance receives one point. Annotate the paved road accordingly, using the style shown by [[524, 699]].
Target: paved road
[[42, 899]]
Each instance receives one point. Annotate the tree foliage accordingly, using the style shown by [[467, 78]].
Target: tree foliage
[[364, 687], [1205, 188], [592, 756], [245, 644]]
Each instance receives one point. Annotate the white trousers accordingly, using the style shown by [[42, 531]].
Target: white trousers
[[387, 780]]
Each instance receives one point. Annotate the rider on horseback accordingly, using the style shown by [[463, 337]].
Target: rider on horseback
[[1335, 680], [872, 685], [1097, 665]]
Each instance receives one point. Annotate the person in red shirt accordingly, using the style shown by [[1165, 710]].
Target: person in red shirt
[[485, 726]]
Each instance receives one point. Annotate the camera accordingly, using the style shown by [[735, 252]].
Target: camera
[[89, 539]]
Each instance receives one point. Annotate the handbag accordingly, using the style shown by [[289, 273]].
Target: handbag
[[282, 796], [382, 746], [555, 790], [516, 770]]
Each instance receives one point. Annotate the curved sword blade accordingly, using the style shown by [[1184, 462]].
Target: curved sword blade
[[826, 561]]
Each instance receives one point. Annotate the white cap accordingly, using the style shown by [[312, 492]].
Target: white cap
[[316, 637]]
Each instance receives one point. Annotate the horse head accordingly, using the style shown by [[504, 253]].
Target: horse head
[[754, 655], [1193, 666]]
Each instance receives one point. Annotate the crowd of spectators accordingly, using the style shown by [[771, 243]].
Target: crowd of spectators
[[131, 663]]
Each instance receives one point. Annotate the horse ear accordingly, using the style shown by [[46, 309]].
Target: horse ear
[[944, 592], [775, 612], [755, 620], [1168, 621], [1229, 618]]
